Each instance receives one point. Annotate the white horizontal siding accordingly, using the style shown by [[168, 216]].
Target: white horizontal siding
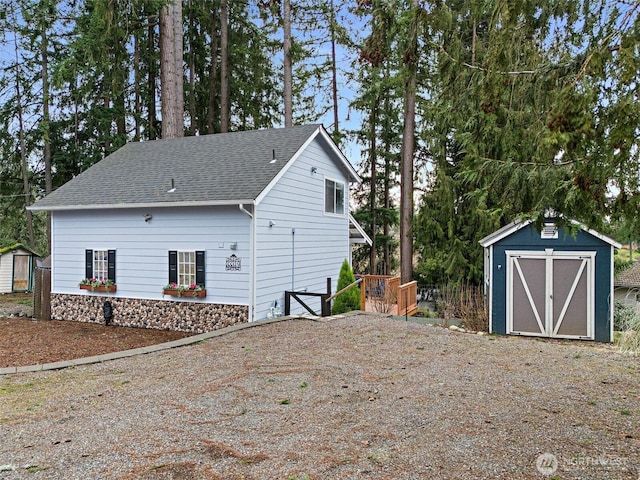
[[142, 248], [321, 241], [6, 272]]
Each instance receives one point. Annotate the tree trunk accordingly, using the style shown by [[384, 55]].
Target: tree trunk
[[408, 144], [191, 58], [23, 153], [46, 127], [288, 68], [178, 38], [136, 87], [334, 76], [151, 85], [386, 267], [224, 66], [372, 199], [213, 72], [171, 87]]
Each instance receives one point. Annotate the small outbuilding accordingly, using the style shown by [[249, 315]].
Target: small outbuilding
[[16, 268], [557, 282]]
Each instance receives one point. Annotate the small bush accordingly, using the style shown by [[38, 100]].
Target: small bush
[[466, 303], [350, 299], [623, 316], [627, 320]]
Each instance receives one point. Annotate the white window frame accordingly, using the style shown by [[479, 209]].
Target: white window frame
[[101, 266], [336, 183], [186, 267]]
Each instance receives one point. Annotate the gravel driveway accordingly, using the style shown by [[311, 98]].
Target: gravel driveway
[[359, 396]]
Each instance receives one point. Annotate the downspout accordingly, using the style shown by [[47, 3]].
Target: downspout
[[252, 255], [244, 210], [293, 259]]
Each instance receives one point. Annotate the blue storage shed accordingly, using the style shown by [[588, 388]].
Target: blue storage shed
[[549, 283]]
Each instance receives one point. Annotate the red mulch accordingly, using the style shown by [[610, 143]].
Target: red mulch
[[30, 342]]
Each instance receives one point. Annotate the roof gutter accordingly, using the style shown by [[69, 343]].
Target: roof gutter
[[105, 206]]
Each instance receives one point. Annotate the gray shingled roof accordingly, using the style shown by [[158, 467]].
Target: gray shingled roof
[[629, 277], [209, 169]]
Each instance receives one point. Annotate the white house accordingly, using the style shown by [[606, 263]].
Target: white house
[[243, 215]]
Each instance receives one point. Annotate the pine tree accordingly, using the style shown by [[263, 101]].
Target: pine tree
[[521, 124], [350, 299]]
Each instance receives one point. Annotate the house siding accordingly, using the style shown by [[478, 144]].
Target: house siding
[[305, 259], [142, 249], [6, 272]]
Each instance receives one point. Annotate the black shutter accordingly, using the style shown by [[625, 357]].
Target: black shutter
[[200, 272], [173, 266], [88, 264], [111, 265]]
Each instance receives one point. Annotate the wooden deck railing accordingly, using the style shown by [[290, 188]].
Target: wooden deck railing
[[384, 294], [408, 298]]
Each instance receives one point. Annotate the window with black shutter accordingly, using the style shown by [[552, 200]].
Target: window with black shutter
[[187, 268], [100, 264]]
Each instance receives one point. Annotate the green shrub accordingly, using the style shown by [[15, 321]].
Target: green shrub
[[621, 264], [350, 299]]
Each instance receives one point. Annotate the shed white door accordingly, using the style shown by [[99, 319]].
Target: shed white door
[[21, 269], [550, 294]]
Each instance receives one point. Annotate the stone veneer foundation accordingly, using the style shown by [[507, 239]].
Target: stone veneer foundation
[[182, 316]]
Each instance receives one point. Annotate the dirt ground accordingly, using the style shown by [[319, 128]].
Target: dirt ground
[[24, 341], [351, 397]]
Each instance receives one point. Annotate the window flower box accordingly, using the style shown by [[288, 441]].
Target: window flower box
[[95, 285], [193, 291]]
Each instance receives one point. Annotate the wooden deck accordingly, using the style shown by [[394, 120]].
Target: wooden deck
[[384, 294]]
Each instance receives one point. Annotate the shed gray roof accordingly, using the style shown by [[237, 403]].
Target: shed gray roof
[[221, 168]]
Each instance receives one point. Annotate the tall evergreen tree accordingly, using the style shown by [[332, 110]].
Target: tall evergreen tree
[[518, 123]]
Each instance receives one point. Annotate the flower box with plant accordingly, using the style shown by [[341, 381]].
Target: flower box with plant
[[193, 290], [98, 285]]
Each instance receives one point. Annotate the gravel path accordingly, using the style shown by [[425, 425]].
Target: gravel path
[[359, 396]]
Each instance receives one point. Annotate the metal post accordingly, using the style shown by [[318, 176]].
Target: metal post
[[293, 259], [406, 304], [326, 306], [287, 303]]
